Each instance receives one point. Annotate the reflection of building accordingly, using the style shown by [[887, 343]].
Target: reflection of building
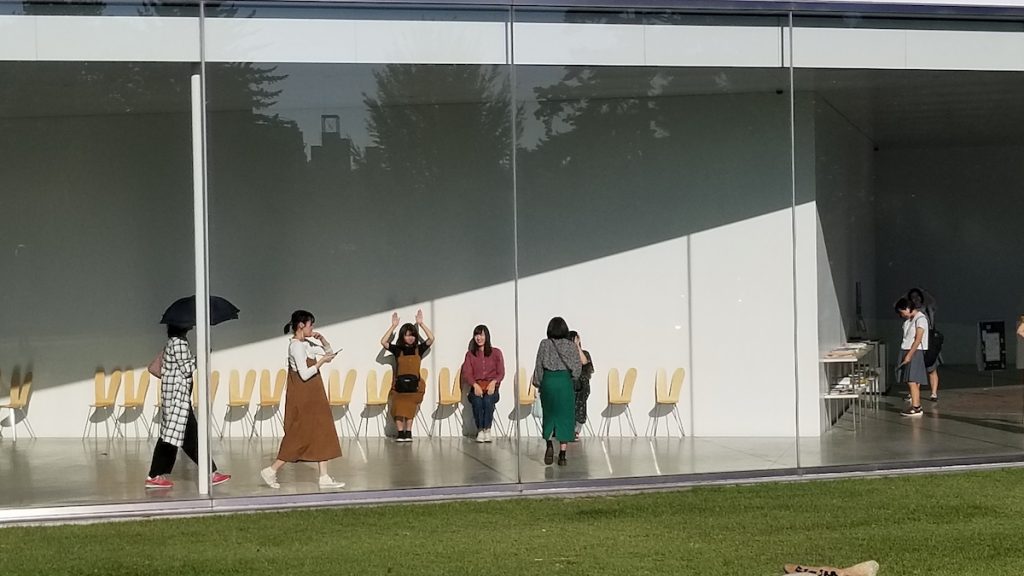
[[332, 159]]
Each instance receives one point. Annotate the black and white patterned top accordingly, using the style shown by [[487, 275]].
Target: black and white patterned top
[[175, 390], [555, 355]]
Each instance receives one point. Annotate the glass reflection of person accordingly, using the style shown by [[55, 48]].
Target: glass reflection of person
[[558, 365], [408, 387]]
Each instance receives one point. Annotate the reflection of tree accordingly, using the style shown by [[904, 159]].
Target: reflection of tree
[[46, 8], [438, 123]]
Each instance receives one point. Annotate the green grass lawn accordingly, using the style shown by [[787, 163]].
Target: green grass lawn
[[970, 523]]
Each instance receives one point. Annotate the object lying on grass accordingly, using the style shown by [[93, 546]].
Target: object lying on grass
[[869, 568]]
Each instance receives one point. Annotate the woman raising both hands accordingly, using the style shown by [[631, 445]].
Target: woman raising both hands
[[409, 349]]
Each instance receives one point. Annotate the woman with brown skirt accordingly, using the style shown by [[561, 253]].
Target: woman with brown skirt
[[408, 387], [309, 434]]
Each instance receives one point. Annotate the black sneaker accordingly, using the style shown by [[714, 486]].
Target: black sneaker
[[934, 398], [549, 455], [561, 458], [912, 411]]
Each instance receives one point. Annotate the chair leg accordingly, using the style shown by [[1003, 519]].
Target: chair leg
[[117, 422], [497, 423], [88, 417], [629, 418], [589, 428], [421, 419], [216, 428], [351, 425], [24, 418], [679, 421]]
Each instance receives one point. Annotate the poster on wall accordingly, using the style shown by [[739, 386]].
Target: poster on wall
[[991, 346]]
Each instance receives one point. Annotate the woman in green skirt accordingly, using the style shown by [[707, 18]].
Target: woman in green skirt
[[558, 364]]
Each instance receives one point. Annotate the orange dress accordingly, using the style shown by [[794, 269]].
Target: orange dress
[[405, 405], [309, 434]]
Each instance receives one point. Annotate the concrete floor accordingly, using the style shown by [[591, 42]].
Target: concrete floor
[[970, 421]]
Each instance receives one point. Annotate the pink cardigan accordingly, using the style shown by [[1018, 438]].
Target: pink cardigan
[[477, 367]]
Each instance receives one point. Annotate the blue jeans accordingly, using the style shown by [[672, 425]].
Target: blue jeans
[[483, 409]]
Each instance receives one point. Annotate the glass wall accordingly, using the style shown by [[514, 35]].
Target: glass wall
[[908, 156], [363, 176], [96, 181], [724, 207], [654, 214]]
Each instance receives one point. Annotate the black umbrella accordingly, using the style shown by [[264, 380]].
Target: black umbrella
[[183, 312]]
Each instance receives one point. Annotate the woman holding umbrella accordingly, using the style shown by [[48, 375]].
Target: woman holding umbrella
[[309, 434], [178, 426], [175, 366]]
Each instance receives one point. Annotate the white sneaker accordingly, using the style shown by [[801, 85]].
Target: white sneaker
[[330, 483], [481, 437], [488, 435], [269, 477]]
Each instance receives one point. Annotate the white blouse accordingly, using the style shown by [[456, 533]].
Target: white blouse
[[300, 350]]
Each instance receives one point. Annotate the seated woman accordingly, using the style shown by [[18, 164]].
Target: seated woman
[[409, 350], [482, 371]]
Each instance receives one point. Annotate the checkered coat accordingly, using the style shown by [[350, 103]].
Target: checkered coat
[[175, 390]]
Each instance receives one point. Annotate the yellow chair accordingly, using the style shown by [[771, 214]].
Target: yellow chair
[[239, 398], [270, 401], [18, 404], [377, 398], [104, 401], [214, 386], [425, 377], [668, 395], [449, 395], [341, 398], [620, 398], [526, 400], [134, 400]]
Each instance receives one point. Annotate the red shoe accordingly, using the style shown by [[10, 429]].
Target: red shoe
[[159, 482], [217, 478]]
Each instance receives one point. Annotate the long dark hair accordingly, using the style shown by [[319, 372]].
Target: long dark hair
[[174, 331], [407, 328], [481, 329], [558, 329], [298, 317], [918, 291]]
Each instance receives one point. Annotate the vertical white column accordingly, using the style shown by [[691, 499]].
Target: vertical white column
[[202, 289]]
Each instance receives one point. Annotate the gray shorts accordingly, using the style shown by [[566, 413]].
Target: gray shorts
[[915, 371]]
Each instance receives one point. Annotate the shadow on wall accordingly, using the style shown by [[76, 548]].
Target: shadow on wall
[[624, 158]]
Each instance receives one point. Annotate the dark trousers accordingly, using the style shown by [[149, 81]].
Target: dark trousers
[[166, 453], [483, 409]]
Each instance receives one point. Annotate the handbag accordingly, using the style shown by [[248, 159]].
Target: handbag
[[157, 365], [407, 383], [935, 340]]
